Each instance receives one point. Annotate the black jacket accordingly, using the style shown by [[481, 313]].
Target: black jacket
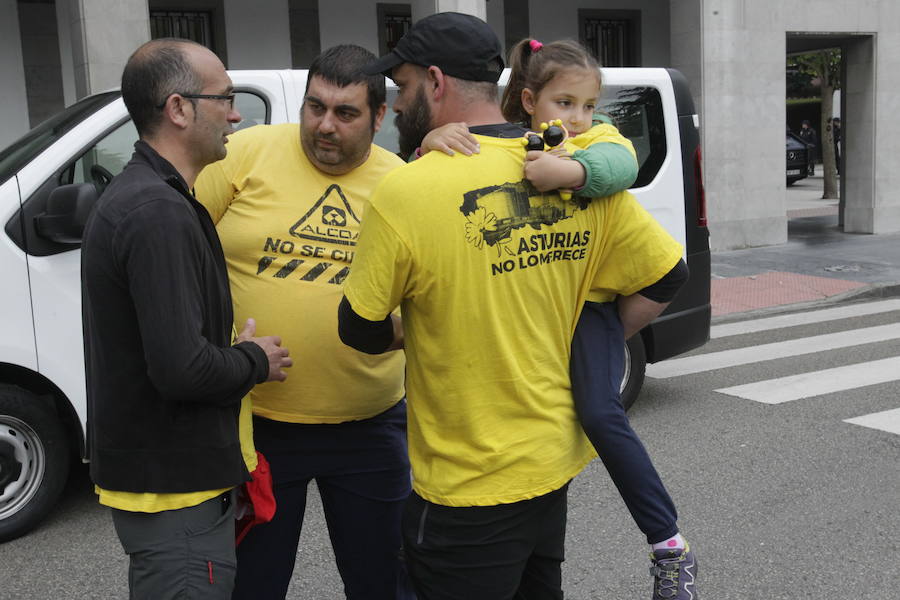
[[164, 384], [809, 136]]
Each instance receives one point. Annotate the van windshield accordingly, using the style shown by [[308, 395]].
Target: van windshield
[[22, 151]]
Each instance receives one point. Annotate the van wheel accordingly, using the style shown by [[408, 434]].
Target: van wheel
[[34, 460], [635, 365]]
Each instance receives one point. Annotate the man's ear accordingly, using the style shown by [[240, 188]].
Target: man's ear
[[435, 82], [528, 100], [176, 110], [379, 116]]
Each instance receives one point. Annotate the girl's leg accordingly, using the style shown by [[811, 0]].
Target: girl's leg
[[596, 370]]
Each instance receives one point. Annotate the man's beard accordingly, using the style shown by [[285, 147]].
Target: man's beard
[[414, 124]]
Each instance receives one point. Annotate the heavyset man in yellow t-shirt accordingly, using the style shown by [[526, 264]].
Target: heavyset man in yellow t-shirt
[[490, 275], [287, 202]]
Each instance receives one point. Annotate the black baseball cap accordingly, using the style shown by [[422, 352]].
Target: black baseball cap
[[460, 45]]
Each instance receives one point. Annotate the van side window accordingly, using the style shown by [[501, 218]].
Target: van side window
[[637, 113], [112, 152], [387, 137], [254, 109], [99, 162]]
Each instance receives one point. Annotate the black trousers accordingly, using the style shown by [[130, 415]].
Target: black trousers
[[362, 471], [505, 552]]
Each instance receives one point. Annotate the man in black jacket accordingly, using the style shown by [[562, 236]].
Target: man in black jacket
[[168, 433], [811, 137]]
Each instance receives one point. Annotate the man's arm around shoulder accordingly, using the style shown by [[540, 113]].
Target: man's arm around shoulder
[[639, 309]]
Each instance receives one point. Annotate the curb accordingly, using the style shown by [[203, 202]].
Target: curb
[[875, 290]]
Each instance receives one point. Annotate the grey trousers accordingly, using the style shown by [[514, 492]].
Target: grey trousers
[[181, 554]]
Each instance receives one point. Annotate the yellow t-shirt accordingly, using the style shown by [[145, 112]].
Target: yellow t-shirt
[[490, 274], [289, 233], [602, 288], [150, 502]]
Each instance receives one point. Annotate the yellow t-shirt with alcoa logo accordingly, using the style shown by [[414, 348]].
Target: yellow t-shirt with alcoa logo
[[289, 233], [490, 275]]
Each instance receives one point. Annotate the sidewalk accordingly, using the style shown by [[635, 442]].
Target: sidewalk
[[819, 263]]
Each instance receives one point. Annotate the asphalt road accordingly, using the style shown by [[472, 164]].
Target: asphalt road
[[781, 501]]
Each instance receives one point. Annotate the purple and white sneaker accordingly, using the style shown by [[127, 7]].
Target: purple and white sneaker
[[674, 574]]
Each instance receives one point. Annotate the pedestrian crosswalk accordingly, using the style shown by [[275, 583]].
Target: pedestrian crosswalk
[[817, 383], [804, 385]]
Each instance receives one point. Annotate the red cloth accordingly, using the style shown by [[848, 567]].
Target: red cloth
[[256, 500]]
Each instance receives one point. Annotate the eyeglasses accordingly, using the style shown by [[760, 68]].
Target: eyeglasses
[[227, 97]]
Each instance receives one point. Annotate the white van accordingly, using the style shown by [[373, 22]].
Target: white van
[[42, 388]]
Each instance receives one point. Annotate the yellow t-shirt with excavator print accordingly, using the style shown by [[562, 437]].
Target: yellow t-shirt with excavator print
[[490, 275], [289, 233]]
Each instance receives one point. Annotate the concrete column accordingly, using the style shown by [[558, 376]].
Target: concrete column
[[41, 59], [743, 89], [258, 34], [887, 107], [104, 33], [517, 24], [496, 18], [686, 44], [306, 42], [336, 28], [858, 137], [13, 99], [66, 63], [423, 8]]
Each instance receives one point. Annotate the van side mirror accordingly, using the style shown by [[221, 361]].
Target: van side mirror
[[68, 207]]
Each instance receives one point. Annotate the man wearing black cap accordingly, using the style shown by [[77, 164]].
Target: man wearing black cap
[[468, 53], [489, 274]]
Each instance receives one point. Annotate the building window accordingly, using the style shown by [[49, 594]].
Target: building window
[[190, 25], [394, 20], [612, 36]]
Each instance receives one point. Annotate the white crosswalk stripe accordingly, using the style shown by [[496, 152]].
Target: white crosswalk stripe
[[753, 354], [803, 318], [888, 420], [816, 383], [802, 385]]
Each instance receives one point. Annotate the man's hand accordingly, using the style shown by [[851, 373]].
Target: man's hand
[[271, 345], [552, 171], [450, 137]]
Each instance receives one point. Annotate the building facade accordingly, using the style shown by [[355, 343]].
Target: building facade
[[732, 52]]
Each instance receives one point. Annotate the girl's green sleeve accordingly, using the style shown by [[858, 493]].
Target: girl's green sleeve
[[609, 168]]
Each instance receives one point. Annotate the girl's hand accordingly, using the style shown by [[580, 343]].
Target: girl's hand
[[560, 151], [548, 172], [450, 137]]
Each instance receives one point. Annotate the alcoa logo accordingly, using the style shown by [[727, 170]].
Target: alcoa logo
[[331, 215], [334, 215]]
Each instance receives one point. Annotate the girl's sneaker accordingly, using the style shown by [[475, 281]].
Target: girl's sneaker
[[674, 573]]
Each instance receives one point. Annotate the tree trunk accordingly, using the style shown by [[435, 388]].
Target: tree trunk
[[826, 139]]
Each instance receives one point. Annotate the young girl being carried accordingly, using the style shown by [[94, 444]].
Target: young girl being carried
[[561, 80]]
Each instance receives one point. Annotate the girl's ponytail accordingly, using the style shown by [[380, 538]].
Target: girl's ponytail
[[519, 59]]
